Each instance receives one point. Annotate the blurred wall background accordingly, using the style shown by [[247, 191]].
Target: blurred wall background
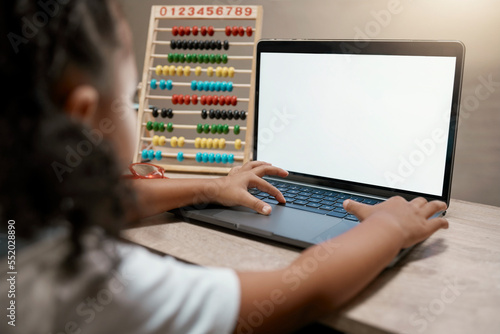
[[474, 22]]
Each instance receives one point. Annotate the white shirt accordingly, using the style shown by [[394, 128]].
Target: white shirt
[[145, 294]]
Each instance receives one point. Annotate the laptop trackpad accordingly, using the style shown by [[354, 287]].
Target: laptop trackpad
[[286, 222]]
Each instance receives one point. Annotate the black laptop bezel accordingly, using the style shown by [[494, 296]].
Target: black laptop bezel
[[372, 47]]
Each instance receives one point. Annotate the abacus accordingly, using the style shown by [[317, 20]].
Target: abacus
[[196, 99]]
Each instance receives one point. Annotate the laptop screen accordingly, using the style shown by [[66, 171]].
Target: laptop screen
[[372, 119]]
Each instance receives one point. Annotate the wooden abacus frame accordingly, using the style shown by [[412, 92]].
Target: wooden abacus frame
[[218, 13]]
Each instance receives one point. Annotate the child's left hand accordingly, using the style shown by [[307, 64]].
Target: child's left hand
[[233, 189]]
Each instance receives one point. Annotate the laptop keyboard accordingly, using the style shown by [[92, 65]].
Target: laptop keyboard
[[323, 202]]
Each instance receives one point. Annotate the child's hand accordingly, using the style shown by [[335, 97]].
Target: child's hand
[[411, 219], [234, 187]]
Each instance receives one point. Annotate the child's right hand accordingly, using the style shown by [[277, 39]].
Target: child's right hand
[[410, 219]]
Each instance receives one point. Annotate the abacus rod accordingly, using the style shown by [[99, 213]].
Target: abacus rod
[[179, 112], [205, 70], [193, 127], [191, 156], [230, 44], [215, 29], [160, 97], [189, 141], [159, 55], [188, 84]]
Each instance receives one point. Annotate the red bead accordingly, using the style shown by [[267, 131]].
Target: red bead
[[211, 31], [203, 31], [175, 30], [234, 100], [249, 31], [222, 100], [235, 31], [174, 99], [181, 31], [195, 30], [180, 98], [228, 31], [215, 99], [209, 100], [203, 100], [187, 99], [194, 99], [188, 31], [241, 31], [227, 100]]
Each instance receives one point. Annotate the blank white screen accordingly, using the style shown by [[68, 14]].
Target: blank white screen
[[375, 119]]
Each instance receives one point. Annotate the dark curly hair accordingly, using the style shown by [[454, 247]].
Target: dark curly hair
[[40, 40]]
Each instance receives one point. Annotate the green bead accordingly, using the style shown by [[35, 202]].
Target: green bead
[[236, 129], [176, 57], [224, 58], [225, 129], [206, 59], [182, 58], [162, 126], [149, 126], [170, 57], [189, 58], [212, 58], [201, 58], [156, 126], [215, 128], [170, 127], [199, 128], [220, 128], [195, 58], [206, 128], [218, 59]]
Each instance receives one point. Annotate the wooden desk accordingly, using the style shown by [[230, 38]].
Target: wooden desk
[[448, 284]]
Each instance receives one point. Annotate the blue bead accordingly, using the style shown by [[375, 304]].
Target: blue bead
[[230, 158], [200, 86], [151, 154], [230, 86], [153, 84], [218, 86], [206, 86], [198, 157], [218, 158], [212, 86], [170, 84], [158, 155], [204, 157], [223, 86], [144, 154], [224, 158], [194, 84], [180, 156], [211, 158], [163, 84]]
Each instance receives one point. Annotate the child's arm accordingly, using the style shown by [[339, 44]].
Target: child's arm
[[160, 195], [326, 276]]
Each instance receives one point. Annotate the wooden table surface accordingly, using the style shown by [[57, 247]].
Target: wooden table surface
[[448, 284]]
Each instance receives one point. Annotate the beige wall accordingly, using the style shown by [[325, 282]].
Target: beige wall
[[474, 22]]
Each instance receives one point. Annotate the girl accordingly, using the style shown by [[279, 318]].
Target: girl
[[65, 135]]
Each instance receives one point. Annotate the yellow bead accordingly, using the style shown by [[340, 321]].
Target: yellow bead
[[180, 70], [165, 70], [237, 144], [218, 71], [155, 140], [210, 143], [181, 141], [159, 70], [231, 72], [225, 72], [216, 143], [197, 142], [187, 71], [210, 71], [204, 143], [222, 143], [173, 141], [171, 70], [162, 141], [197, 70]]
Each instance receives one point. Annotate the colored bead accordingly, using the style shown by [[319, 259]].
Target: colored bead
[[201, 44], [170, 57], [218, 158], [189, 58], [175, 30], [228, 31], [210, 71], [184, 44], [249, 31], [197, 142], [237, 144], [236, 129], [173, 44], [175, 99], [211, 113], [199, 128], [226, 45], [200, 85], [195, 30], [144, 154], [212, 86], [153, 84], [161, 126], [151, 154], [230, 158], [194, 99], [154, 112], [201, 58], [225, 129], [222, 143], [214, 128], [180, 156], [225, 72], [170, 84], [170, 113], [179, 70], [230, 83], [218, 71], [213, 45], [210, 142], [236, 114], [218, 86], [162, 141], [149, 126], [209, 100], [216, 143], [165, 70], [203, 99], [231, 72], [224, 158], [212, 58], [197, 70], [223, 86], [194, 57], [156, 126], [163, 112], [187, 30], [204, 157], [182, 58], [155, 140], [187, 99], [229, 114], [218, 58], [187, 71], [211, 158], [180, 99], [159, 69], [206, 128], [198, 157], [176, 57], [210, 31], [163, 84], [194, 84], [235, 31], [181, 141], [241, 31], [224, 57], [173, 141], [170, 127], [227, 100], [215, 99], [203, 143], [203, 31], [243, 115], [217, 114], [181, 31], [204, 114], [234, 101]]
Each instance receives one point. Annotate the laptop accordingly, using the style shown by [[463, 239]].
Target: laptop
[[365, 120]]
